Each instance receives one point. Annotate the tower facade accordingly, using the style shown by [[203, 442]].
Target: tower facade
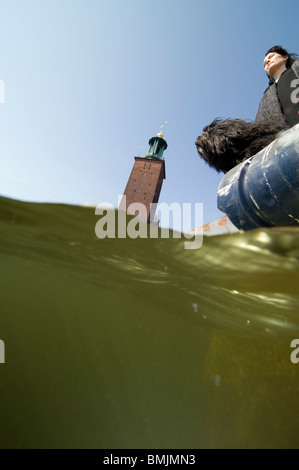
[[145, 181]]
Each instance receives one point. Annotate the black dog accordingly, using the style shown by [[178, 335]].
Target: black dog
[[225, 143]]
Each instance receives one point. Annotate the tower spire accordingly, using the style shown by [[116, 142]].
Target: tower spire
[[161, 133]]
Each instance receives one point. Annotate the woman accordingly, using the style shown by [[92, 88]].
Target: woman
[[281, 98], [225, 143]]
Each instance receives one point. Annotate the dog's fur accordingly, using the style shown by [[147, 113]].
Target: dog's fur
[[225, 143]]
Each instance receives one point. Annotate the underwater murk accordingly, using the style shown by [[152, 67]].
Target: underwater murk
[[140, 343]]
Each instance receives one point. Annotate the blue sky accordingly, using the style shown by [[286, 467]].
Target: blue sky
[[89, 82]]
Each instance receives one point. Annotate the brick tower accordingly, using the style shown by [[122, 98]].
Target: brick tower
[[146, 178]]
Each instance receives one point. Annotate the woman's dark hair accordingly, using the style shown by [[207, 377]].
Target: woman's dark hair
[[283, 52]]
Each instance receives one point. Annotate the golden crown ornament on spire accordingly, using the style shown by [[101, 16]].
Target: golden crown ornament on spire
[[161, 133]]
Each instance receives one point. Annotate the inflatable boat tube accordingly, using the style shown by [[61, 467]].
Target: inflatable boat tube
[[263, 191]]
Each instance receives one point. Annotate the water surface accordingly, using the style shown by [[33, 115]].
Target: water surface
[[122, 343]]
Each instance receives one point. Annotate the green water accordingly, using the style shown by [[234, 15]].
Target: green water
[[122, 343]]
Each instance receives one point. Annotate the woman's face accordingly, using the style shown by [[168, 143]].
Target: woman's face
[[273, 62]]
